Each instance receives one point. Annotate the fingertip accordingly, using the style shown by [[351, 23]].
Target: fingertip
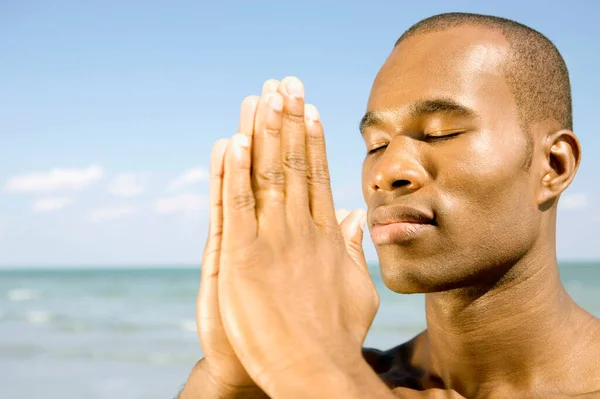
[[341, 214], [237, 151], [250, 102], [220, 146], [292, 86], [247, 114], [311, 113], [270, 86], [239, 142], [357, 220]]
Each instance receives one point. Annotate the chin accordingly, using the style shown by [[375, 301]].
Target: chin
[[420, 275], [405, 273], [405, 277]]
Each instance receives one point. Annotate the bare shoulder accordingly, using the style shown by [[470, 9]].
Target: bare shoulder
[[588, 367]]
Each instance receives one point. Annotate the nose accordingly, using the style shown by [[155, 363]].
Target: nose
[[399, 168]]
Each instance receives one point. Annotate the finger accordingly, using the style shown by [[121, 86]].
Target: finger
[[208, 307], [215, 229], [352, 230], [341, 214], [270, 86], [319, 186], [293, 147], [247, 113], [239, 218], [267, 169]]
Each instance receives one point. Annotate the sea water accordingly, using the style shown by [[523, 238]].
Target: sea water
[[131, 333]]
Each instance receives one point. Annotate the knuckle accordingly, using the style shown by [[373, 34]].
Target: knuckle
[[275, 133], [294, 117], [242, 201], [215, 236], [270, 176], [295, 161], [332, 230], [316, 136], [319, 174]]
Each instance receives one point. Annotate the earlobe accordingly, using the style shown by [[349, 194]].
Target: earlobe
[[562, 157]]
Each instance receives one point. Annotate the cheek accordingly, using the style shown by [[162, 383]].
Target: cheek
[[487, 189], [486, 165]]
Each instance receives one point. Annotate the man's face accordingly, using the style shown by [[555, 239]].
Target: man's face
[[450, 200]]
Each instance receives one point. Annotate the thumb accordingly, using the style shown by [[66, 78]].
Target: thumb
[[352, 227]]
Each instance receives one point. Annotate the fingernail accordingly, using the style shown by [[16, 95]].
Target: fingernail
[[270, 86], [250, 101], [294, 87], [363, 220], [241, 140], [275, 101], [311, 113]]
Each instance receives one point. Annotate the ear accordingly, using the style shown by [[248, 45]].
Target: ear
[[562, 157]]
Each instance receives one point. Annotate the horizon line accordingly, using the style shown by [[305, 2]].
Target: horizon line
[[180, 265]]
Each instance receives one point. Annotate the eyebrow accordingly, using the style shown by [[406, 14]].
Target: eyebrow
[[419, 109]]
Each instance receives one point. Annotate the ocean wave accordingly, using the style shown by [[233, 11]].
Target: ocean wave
[[188, 325], [22, 294], [154, 358], [38, 316]]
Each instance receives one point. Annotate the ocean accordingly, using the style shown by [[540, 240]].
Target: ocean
[[130, 333]]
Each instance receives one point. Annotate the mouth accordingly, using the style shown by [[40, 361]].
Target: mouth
[[400, 224]]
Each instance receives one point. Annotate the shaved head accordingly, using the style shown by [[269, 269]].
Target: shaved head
[[535, 70]]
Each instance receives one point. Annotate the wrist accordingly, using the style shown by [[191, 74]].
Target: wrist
[[326, 378], [201, 384]]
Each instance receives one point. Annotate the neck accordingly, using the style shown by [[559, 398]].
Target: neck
[[511, 333]]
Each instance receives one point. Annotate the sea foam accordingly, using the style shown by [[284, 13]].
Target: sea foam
[[22, 294], [38, 316], [188, 325]]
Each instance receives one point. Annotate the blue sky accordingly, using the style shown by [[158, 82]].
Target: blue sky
[[108, 111]]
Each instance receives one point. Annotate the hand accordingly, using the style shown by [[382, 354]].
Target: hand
[[292, 297], [220, 363]]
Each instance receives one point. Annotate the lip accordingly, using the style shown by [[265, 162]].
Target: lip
[[399, 224]]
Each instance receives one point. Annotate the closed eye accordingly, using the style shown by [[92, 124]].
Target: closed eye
[[376, 149], [441, 136]]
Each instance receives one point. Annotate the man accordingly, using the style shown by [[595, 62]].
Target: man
[[469, 142]]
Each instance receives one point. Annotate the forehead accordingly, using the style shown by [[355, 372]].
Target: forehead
[[463, 63]]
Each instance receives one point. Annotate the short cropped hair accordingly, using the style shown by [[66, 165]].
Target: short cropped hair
[[535, 70]]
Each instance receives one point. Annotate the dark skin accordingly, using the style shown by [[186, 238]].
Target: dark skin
[[503, 307], [445, 138]]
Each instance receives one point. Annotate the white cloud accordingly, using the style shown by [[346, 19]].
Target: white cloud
[[126, 185], [189, 177], [102, 214], [572, 201], [55, 179], [189, 204], [49, 204]]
